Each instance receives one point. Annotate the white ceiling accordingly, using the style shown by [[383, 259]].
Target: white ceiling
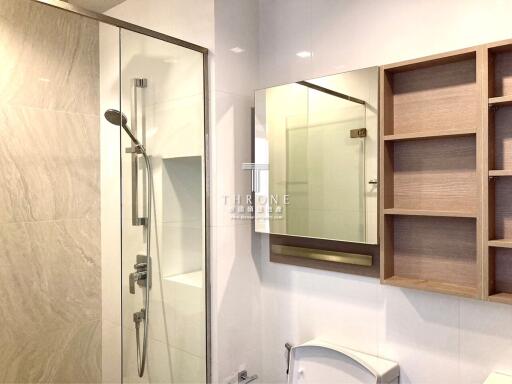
[[99, 6]]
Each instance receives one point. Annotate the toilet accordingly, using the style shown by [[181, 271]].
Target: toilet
[[321, 362]]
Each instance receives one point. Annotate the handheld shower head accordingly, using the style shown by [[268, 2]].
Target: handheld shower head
[[115, 117]]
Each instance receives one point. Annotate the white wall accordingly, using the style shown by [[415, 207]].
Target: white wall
[[236, 297], [349, 34], [435, 338]]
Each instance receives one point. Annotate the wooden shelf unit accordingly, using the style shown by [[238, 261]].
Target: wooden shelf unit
[[497, 146], [430, 194]]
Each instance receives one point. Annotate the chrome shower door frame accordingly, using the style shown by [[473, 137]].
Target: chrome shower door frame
[[62, 5]]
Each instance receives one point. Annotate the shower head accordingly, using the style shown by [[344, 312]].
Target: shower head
[[115, 117]]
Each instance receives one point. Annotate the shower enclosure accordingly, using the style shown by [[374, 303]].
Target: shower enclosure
[[104, 269]]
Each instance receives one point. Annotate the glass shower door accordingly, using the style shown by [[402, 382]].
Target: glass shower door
[[164, 333]]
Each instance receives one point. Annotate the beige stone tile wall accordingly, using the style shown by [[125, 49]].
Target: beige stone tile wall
[[50, 259]]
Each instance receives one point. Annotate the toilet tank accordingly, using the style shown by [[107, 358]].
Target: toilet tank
[[321, 362]]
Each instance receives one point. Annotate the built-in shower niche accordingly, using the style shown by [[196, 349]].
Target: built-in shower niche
[[182, 259], [182, 205]]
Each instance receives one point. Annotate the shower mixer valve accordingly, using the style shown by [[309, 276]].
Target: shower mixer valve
[[140, 276]]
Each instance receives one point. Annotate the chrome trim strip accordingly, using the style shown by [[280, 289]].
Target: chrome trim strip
[[121, 24]]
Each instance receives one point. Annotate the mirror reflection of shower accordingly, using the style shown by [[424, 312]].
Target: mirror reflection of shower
[[143, 271]]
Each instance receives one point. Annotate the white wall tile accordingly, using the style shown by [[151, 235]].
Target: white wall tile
[[300, 304], [187, 368], [236, 27], [191, 20], [485, 340], [344, 35], [285, 30], [231, 145], [420, 331], [236, 325], [236, 301]]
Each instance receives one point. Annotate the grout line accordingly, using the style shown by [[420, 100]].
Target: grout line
[[51, 220], [60, 111]]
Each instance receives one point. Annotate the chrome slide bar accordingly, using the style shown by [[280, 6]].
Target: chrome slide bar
[[136, 218]]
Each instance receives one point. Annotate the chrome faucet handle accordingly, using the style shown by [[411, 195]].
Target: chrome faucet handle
[[135, 277], [131, 279], [244, 378], [142, 266]]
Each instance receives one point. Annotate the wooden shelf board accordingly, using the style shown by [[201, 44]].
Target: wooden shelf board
[[427, 135], [500, 243], [502, 100], [500, 172], [432, 60], [423, 212], [432, 286], [502, 297]]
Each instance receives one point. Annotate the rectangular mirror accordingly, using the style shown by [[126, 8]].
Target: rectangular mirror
[[316, 152]]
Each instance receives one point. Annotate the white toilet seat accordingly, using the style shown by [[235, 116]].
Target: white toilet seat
[[374, 369]]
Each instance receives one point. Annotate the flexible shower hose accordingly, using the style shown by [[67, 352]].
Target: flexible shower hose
[[142, 358]]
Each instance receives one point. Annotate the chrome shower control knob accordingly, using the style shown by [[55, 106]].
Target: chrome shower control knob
[[136, 277]]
